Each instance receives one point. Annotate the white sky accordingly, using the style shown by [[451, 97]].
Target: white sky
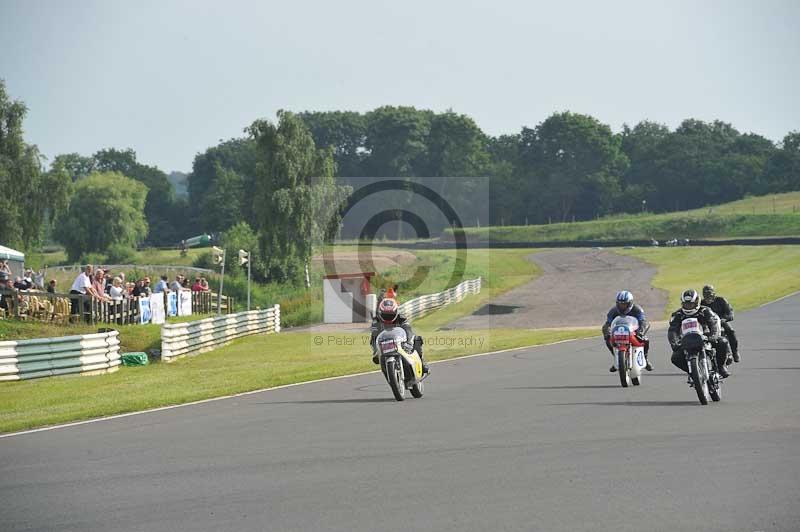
[[171, 78]]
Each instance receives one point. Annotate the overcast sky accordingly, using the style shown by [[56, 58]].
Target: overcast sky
[[171, 78]]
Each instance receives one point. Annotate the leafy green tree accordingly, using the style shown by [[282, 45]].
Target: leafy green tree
[[345, 132], [239, 236], [234, 155], [107, 209], [782, 171], [296, 196], [30, 197], [222, 203], [75, 164], [162, 218], [396, 141], [575, 163]]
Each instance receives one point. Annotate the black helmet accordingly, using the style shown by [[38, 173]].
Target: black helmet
[[709, 294], [690, 301]]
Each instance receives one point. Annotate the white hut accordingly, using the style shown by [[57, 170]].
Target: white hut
[[348, 298]]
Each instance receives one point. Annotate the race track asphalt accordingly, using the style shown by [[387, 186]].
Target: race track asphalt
[[534, 439]]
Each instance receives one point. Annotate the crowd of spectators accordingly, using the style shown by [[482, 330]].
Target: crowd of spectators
[[97, 283]]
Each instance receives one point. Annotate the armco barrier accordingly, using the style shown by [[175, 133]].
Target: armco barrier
[[420, 306], [88, 354], [192, 337]]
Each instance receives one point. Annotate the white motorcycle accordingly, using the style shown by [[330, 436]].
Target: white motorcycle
[[628, 350], [400, 363]]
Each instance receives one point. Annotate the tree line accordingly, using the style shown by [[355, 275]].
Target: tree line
[[277, 186]]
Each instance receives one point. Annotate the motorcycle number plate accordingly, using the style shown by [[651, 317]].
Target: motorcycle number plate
[[388, 346]]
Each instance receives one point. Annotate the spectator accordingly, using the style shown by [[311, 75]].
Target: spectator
[[21, 284], [99, 285], [82, 285], [38, 279], [51, 286], [28, 278], [5, 271], [116, 290], [7, 297], [147, 289], [185, 283], [177, 284], [161, 286], [197, 286], [204, 284]]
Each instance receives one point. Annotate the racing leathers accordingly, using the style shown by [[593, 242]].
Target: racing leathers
[[711, 326], [724, 310]]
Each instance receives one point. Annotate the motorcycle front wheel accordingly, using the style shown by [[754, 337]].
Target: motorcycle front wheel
[[622, 369], [700, 384], [395, 378], [417, 390]]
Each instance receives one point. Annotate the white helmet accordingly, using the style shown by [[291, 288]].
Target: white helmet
[[690, 302]]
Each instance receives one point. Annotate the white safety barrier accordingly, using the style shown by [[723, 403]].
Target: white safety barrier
[[88, 354], [193, 337], [421, 305]]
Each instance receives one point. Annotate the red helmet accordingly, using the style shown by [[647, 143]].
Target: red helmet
[[388, 310]]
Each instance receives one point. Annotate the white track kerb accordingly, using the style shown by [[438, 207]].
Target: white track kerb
[[96, 420]]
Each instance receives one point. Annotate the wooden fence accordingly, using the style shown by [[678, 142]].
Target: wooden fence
[[70, 308]]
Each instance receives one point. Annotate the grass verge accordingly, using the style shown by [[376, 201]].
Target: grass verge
[[247, 364], [747, 276]]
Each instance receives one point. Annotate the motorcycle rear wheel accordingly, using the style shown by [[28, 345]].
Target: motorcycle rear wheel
[[700, 384], [395, 380]]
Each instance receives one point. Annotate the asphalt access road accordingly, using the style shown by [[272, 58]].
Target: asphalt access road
[[535, 439], [586, 281]]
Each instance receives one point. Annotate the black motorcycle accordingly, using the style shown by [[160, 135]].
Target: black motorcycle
[[702, 361]]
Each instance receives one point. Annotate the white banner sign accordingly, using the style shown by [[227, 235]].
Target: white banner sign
[[157, 310], [144, 310], [185, 303]]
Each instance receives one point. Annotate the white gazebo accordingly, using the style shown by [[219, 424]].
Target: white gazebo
[[16, 260]]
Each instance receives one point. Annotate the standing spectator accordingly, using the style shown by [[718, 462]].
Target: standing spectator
[[51, 286], [185, 283], [28, 278], [161, 286], [116, 290], [99, 285], [21, 284], [197, 287], [147, 289], [82, 285], [8, 296], [177, 285], [204, 284], [5, 271]]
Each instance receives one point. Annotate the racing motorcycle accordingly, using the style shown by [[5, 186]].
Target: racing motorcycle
[[400, 363], [628, 350], [702, 361]]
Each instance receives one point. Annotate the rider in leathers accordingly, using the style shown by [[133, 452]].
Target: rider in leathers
[[723, 309], [691, 308], [389, 316], [626, 307]]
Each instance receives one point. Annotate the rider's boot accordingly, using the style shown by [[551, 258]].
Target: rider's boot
[[612, 369], [649, 366], [736, 357], [375, 359], [723, 371]]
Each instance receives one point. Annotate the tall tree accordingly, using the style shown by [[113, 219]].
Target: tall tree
[[29, 195], [164, 221], [396, 141], [107, 209], [296, 196], [345, 132]]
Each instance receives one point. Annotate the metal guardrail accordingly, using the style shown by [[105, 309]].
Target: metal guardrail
[[193, 337], [88, 354], [420, 306]]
